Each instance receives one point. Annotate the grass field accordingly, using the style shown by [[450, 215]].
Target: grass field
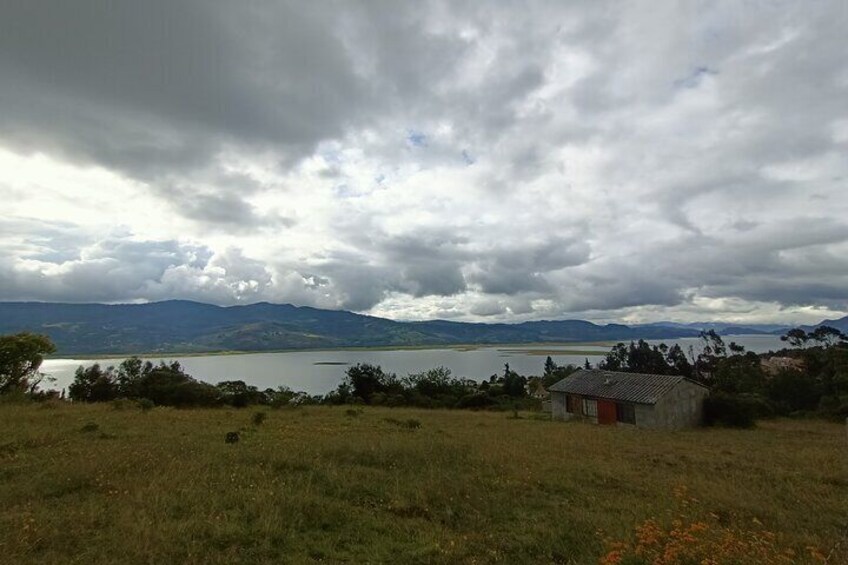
[[94, 484]]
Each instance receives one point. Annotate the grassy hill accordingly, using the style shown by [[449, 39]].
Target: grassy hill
[[93, 484]]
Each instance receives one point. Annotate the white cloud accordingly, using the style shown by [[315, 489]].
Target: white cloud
[[430, 160]]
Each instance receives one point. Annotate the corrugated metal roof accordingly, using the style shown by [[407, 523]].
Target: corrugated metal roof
[[640, 388]]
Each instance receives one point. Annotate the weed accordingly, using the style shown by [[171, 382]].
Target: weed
[[410, 424]]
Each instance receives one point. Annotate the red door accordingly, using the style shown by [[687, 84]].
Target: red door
[[606, 412]]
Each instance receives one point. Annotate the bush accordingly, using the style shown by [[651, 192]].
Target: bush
[[51, 404], [89, 427], [475, 400], [411, 424], [121, 404], [258, 418], [834, 407], [761, 406], [146, 404], [722, 409]]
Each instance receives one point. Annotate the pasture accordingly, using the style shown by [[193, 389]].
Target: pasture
[[109, 484]]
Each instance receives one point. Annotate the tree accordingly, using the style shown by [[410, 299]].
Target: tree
[[366, 380], [240, 394], [93, 384], [826, 336], [797, 338], [21, 356], [513, 383], [739, 374], [436, 382], [712, 351], [169, 385], [676, 359], [558, 374], [735, 348], [129, 376], [641, 357], [550, 366]]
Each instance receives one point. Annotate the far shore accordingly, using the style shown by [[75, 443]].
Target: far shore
[[538, 348]]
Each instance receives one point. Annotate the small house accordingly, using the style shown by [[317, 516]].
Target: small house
[[630, 399], [536, 389]]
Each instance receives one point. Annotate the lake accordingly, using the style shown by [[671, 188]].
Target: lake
[[319, 372]]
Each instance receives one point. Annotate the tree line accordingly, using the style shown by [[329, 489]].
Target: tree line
[[813, 381]]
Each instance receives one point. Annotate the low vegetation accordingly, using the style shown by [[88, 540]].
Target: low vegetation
[[810, 380], [377, 471], [88, 483]]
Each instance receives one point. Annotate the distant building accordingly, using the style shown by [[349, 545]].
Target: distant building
[[536, 389], [631, 399], [774, 365]]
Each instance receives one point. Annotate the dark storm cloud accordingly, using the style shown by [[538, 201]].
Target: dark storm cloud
[[132, 84], [522, 267]]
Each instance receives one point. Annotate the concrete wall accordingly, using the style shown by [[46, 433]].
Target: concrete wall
[[558, 411], [682, 407]]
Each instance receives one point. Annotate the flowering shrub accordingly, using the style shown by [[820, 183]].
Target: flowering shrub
[[687, 540]]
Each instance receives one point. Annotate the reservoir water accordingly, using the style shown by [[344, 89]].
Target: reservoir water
[[319, 372]]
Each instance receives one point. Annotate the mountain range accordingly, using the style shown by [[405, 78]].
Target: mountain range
[[179, 326]]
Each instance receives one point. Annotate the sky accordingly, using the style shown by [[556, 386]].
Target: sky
[[498, 161]]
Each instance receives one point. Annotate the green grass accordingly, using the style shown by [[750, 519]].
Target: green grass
[[340, 484]]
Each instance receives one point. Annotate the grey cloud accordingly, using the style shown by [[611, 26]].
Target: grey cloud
[[275, 73], [684, 157], [108, 271], [523, 267]]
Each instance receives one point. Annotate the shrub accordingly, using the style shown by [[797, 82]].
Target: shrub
[[475, 400], [51, 404], [411, 424], [834, 407], [728, 410], [695, 535], [121, 404], [90, 427], [258, 418], [793, 391], [146, 404]]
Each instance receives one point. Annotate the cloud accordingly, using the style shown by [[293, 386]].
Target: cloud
[[429, 159]]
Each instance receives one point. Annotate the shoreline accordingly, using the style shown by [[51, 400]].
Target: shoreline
[[530, 348]]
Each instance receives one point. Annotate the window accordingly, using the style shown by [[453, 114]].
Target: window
[[572, 405], [590, 408], [625, 413]]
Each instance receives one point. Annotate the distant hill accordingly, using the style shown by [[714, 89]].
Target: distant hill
[[841, 324], [178, 326], [723, 328]]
